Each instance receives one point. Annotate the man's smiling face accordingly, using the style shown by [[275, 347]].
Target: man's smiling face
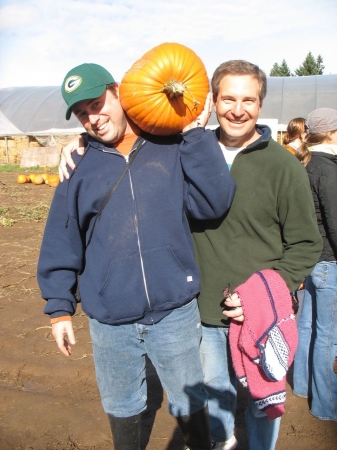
[[237, 107], [103, 117]]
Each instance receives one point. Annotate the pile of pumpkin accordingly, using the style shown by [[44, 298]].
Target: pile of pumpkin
[[51, 179]]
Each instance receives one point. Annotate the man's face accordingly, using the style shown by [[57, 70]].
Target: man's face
[[237, 107], [103, 117]]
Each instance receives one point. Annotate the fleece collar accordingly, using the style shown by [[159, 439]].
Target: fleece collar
[[265, 136]]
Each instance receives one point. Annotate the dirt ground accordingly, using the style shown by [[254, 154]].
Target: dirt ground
[[49, 401]]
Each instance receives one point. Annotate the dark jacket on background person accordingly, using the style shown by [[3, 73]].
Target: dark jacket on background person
[[140, 264], [322, 172], [270, 225]]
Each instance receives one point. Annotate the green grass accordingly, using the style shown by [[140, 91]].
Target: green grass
[[23, 214], [26, 170], [6, 222], [35, 214]]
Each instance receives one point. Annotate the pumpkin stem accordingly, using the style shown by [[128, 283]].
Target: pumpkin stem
[[174, 88]]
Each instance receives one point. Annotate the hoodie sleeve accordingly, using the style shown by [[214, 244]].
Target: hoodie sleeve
[[61, 258], [209, 187]]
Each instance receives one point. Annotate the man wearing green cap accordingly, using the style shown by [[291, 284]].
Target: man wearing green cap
[[91, 83], [139, 278]]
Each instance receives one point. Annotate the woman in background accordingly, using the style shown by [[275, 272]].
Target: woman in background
[[295, 134], [314, 375], [292, 139]]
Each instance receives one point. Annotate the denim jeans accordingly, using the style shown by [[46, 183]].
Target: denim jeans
[[220, 382], [173, 345], [302, 374], [317, 327], [300, 298], [262, 432]]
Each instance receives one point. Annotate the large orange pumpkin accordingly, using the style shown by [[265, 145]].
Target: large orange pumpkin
[[165, 90]]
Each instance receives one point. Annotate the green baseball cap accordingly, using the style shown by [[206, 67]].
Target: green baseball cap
[[83, 83]]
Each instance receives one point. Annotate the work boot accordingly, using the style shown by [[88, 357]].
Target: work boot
[[125, 432], [196, 430]]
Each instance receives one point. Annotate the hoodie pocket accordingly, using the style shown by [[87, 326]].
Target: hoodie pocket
[[122, 292], [167, 280]]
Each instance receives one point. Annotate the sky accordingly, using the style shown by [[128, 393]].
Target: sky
[[41, 40]]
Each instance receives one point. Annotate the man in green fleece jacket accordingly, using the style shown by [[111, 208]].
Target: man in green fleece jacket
[[271, 225]]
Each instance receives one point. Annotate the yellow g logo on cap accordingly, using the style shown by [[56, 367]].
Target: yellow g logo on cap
[[72, 83]]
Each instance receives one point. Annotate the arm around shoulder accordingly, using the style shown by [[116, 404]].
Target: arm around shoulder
[[77, 143]]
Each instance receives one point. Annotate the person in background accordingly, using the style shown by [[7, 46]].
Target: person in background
[[292, 139], [138, 275], [295, 134], [315, 374], [271, 225]]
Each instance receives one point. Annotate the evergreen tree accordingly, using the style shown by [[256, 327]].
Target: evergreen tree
[[320, 66], [280, 71], [275, 70], [285, 71], [310, 66]]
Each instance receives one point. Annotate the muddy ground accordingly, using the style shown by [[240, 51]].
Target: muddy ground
[[49, 401]]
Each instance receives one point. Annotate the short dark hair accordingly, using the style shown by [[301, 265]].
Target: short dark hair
[[239, 67], [112, 87]]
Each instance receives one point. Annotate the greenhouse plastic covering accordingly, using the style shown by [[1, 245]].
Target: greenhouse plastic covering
[[35, 110], [40, 111], [289, 97]]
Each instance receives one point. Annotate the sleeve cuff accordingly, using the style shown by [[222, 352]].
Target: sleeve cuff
[[61, 319]]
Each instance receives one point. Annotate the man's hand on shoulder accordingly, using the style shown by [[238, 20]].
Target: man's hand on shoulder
[[203, 117], [66, 159]]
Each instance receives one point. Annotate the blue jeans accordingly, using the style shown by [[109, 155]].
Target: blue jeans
[[262, 432], [220, 382], [300, 297], [172, 345], [317, 347]]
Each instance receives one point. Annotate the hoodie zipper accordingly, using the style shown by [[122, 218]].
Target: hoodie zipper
[[135, 219], [139, 246]]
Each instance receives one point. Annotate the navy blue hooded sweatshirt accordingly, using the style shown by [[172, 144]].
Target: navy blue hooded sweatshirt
[[140, 264]]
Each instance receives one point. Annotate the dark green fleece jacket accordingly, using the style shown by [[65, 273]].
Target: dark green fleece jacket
[[271, 225]]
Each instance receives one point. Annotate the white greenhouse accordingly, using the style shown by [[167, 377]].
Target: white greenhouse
[[38, 113]]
